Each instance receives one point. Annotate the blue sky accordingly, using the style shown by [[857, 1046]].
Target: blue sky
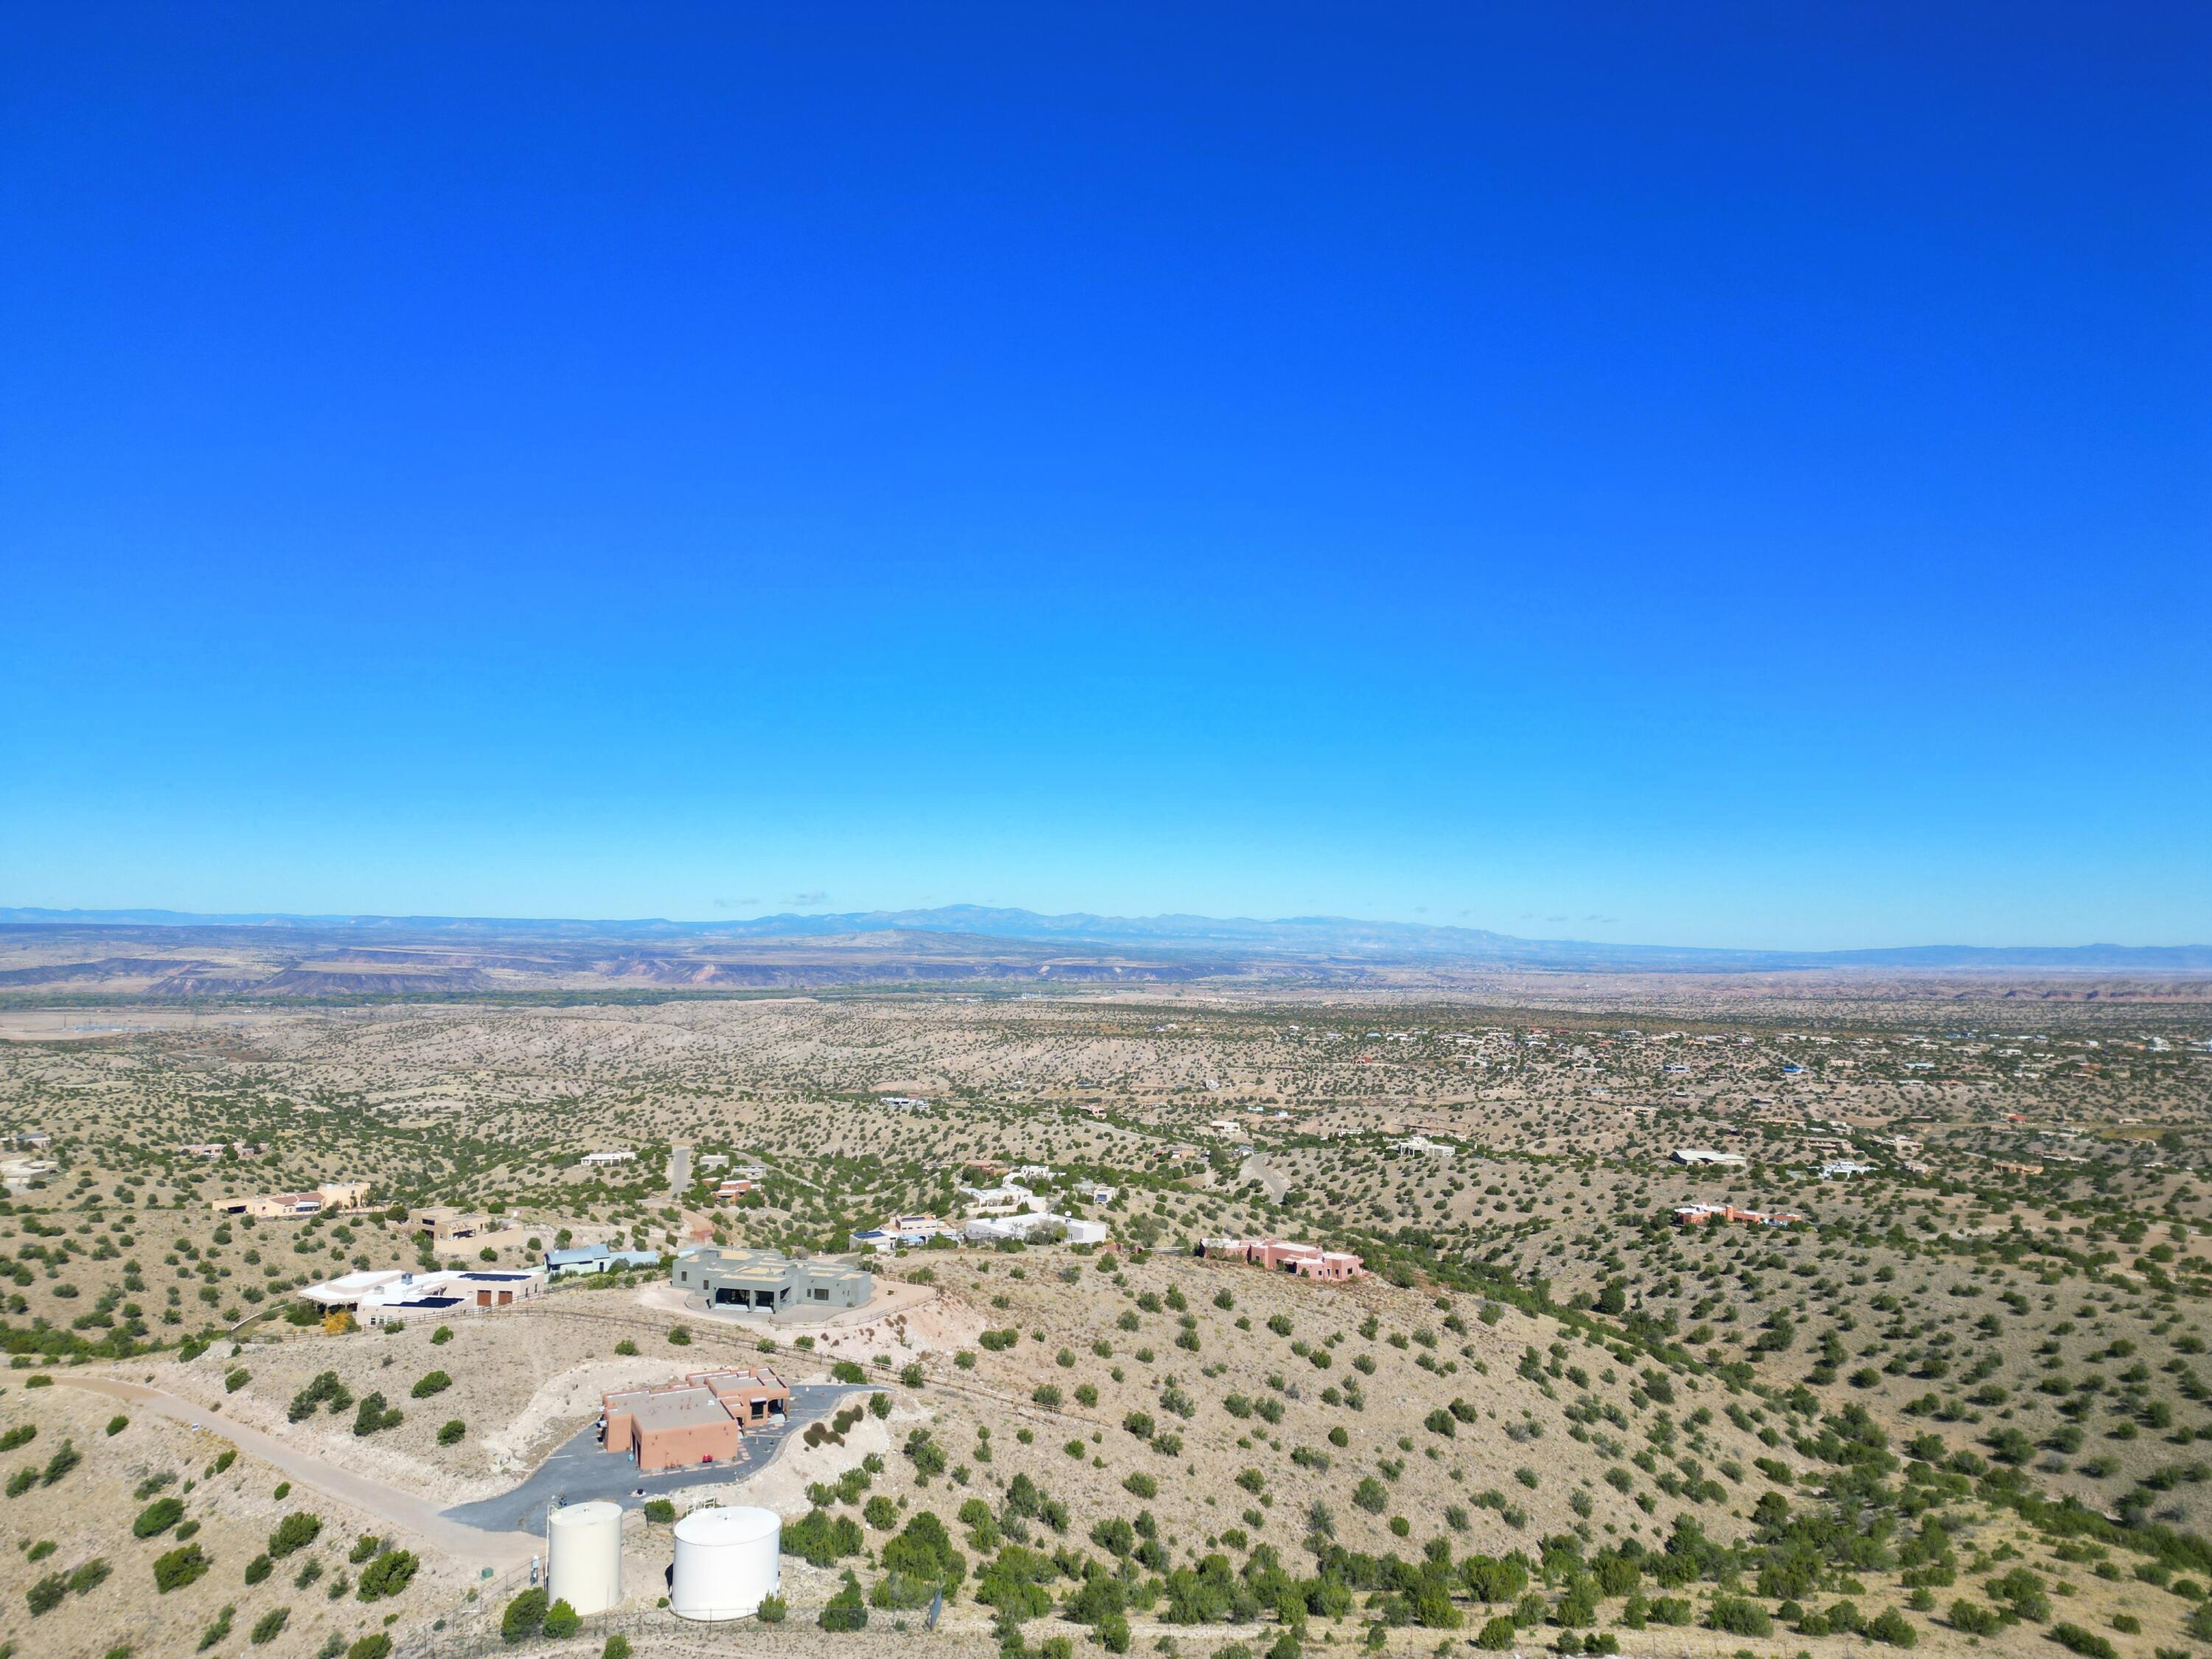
[[1699, 474]]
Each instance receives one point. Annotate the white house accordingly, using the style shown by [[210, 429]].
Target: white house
[[1699, 1157], [987, 1230], [1008, 1199], [908, 1232], [378, 1296]]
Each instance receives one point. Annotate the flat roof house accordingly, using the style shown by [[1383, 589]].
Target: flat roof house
[[597, 1259], [1699, 1215], [1288, 1256], [1698, 1157], [273, 1206], [770, 1281], [1008, 1199], [908, 1232], [269, 1207], [444, 1223], [378, 1295], [698, 1419], [681, 1426], [990, 1229]]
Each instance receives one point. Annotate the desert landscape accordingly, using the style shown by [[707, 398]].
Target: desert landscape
[[1694, 1313]]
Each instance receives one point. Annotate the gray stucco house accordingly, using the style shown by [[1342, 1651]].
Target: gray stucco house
[[770, 1281]]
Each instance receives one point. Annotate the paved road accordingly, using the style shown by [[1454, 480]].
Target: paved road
[[473, 1544], [579, 1470]]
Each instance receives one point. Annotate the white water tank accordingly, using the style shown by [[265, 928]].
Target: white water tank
[[583, 1556], [726, 1560]]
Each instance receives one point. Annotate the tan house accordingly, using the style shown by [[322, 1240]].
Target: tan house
[[445, 1224], [338, 1196]]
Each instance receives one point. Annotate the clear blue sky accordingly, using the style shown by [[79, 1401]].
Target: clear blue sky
[[1702, 474]]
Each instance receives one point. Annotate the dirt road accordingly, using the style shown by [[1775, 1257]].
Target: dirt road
[[472, 1548]]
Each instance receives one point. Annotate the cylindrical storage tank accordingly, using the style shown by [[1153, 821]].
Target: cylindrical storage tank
[[726, 1560], [583, 1556]]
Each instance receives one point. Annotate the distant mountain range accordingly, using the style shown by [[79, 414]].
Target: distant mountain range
[[1314, 937]]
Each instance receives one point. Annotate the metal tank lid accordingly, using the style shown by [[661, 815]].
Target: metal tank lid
[[595, 1512], [733, 1525]]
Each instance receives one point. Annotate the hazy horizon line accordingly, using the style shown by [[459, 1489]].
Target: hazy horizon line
[[908, 918]]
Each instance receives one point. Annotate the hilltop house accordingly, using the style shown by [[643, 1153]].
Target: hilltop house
[[376, 1297], [445, 1224], [908, 1232], [770, 1282], [286, 1206], [1008, 1199], [1286, 1255], [597, 1259], [1699, 1215], [697, 1419], [990, 1230]]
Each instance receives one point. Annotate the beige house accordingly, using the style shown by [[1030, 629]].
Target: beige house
[[445, 1224], [340, 1196]]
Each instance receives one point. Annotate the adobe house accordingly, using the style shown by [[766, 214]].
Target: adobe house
[[751, 1397], [699, 1418], [445, 1224], [672, 1429], [277, 1207], [1288, 1256], [1700, 1215]]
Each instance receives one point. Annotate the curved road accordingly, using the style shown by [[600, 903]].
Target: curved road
[[469, 1545], [1256, 1168]]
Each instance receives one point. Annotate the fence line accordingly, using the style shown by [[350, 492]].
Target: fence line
[[482, 1634]]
